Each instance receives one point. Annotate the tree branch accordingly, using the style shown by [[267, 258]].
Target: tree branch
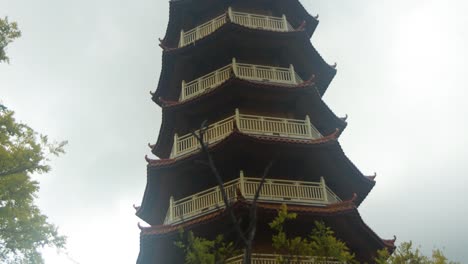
[[215, 171], [20, 170], [248, 237]]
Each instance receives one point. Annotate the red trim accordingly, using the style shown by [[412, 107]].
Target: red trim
[[331, 137], [346, 206], [177, 8], [325, 72], [305, 84]]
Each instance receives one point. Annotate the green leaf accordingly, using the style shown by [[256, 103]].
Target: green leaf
[[8, 32], [23, 228]]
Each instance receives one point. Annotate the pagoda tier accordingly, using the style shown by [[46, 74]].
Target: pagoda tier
[[296, 160], [186, 15], [342, 217], [301, 100], [247, 46]]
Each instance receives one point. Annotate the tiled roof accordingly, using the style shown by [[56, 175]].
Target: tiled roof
[[390, 242], [257, 84], [225, 25], [327, 71], [174, 24], [171, 107], [330, 137], [263, 139], [372, 177], [341, 207], [159, 162]]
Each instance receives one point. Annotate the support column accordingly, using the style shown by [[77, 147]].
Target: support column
[[234, 67], [293, 74], [182, 91], [241, 183], [237, 118], [219, 196], [174, 146], [231, 16], [324, 188], [181, 40], [171, 210], [285, 23], [308, 126]]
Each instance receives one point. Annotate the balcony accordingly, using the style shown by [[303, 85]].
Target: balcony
[[274, 191], [249, 124], [275, 259], [244, 19], [244, 71]]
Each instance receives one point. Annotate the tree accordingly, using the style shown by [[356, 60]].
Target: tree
[[8, 33], [406, 254], [246, 237], [199, 250], [290, 249], [23, 228], [322, 243]]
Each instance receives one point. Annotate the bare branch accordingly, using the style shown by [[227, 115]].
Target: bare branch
[[214, 169], [253, 215], [247, 237]]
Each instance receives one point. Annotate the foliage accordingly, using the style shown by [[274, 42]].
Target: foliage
[[290, 250], [383, 256], [325, 245], [321, 242], [200, 250], [8, 32], [406, 254], [23, 228]]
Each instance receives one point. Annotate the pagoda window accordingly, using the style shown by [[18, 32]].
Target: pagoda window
[[248, 124], [273, 191], [251, 20], [250, 72]]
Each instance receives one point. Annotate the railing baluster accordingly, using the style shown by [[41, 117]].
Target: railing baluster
[[273, 191], [244, 71], [244, 19], [285, 23], [249, 124]]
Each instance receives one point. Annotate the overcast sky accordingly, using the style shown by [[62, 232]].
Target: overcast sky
[[82, 71]]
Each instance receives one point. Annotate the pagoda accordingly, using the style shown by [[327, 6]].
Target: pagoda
[[248, 69]]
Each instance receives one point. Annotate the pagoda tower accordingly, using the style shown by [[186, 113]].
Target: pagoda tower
[[248, 68]]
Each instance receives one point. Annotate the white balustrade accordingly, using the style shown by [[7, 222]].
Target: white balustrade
[[201, 31], [290, 128], [249, 124], [244, 19], [245, 71], [215, 132], [276, 259], [260, 21], [279, 191], [266, 73], [204, 83]]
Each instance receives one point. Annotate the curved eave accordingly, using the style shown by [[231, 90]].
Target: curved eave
[[163, 145], [161, 163], [180, 8], [324, 74], [327, 141], [342, 217], [328, 148], [337, 208]]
